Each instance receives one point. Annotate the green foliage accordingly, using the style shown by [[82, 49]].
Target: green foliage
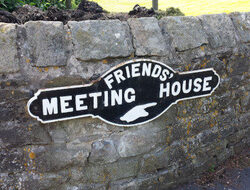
[[11, 5], [174, 12], [212, 168], [75, 3], [171, 11], [45, 4]]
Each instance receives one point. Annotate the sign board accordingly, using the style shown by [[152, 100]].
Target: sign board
[[129, 94]]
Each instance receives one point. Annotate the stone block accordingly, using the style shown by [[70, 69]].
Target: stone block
[[58, 135], [50, 181], [81, 186], [13, 110], [124, 184], [123, 168], [9, 62], [14, 134], [156, 160], [103, 151], [242, 24], [88, 69], [146, 182], [8, 181], [98, 39], [219, 29], [208, 136], [209, 62], [44, 43], [186, 32], [132, 143], [239, 65], [12, 95], [147, 37], [56, 157], [82, 131], [11, 160]]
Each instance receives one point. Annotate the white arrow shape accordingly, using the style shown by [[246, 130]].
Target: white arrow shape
[[137, 112]]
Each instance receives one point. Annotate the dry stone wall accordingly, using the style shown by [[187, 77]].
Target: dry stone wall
[[188, 139]]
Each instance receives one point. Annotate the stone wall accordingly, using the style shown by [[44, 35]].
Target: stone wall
[[188, 139]]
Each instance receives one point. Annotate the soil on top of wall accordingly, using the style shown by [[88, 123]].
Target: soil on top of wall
[[86, 11]]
